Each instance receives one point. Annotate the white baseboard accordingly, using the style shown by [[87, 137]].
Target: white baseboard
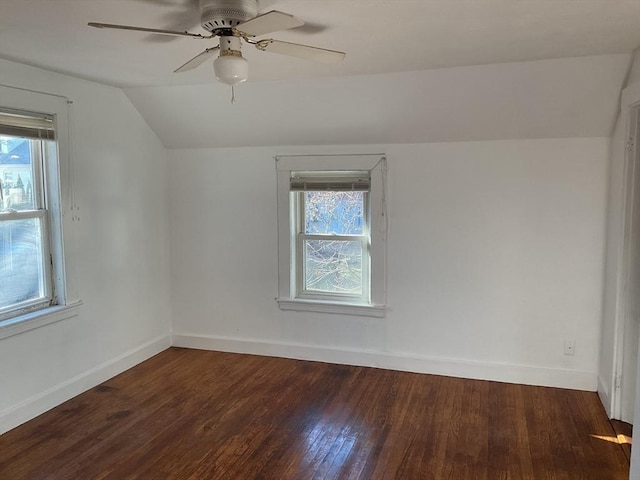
[[527, 375], [54, 396], [605, 398]]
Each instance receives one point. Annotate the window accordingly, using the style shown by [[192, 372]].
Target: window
[[332, 234], [331, 253], [26, 281], [33, 160]]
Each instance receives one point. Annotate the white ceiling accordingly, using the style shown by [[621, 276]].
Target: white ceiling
[[378, 36]]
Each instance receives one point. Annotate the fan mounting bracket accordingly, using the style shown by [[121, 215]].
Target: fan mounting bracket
[[220, 15]]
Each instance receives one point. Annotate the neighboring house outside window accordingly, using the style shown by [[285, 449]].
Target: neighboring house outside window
[[332, 234]]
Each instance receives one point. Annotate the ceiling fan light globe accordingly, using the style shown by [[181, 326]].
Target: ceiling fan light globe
[[231, 70]]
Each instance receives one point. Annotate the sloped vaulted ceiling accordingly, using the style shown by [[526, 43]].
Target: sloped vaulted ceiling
[[574, 97]]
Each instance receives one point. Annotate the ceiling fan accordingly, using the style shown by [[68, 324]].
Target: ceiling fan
[[235, 21]]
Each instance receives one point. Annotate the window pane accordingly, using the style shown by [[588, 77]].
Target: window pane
[[21, 266], [16, 174], [338, 213], [333, 266]]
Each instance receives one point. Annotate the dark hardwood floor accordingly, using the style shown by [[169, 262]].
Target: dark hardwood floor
[[189, 414]]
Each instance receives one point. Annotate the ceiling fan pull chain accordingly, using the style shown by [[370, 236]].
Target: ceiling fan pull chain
[[233, 95]]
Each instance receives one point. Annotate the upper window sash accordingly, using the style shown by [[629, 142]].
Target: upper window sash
[[38, 189], [298, 201]]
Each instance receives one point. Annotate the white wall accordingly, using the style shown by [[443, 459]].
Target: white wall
[[495, 256], [122, 254]]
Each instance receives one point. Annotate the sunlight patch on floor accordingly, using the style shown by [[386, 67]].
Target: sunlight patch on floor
[[620, 439]]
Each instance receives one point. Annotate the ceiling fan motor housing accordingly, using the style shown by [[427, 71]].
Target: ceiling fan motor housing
[[226, 14]]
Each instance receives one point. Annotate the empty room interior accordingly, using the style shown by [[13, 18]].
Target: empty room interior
[[320, 239]]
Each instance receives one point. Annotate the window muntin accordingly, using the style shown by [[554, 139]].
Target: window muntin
[[26, 281]]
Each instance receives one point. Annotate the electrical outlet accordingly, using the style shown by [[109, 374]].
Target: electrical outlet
[[569, 347]]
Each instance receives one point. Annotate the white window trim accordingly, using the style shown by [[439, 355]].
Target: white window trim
[[61, 231], [376, 164]]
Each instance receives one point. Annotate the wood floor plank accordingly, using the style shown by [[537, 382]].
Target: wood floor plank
[[188, 414], [624, 432]]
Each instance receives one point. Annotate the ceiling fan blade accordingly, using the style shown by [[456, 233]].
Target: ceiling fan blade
[[198, 59], [148, 30], [316, 54], [272, 21]]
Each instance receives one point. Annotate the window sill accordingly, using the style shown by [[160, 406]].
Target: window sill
[[329, 307], [37, 319]]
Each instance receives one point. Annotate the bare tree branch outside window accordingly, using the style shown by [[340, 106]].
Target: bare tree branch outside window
[[334, 265]]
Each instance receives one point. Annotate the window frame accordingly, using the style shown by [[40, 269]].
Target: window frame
[[41, 212], [290, 295], [299, 255], [58, 189]]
